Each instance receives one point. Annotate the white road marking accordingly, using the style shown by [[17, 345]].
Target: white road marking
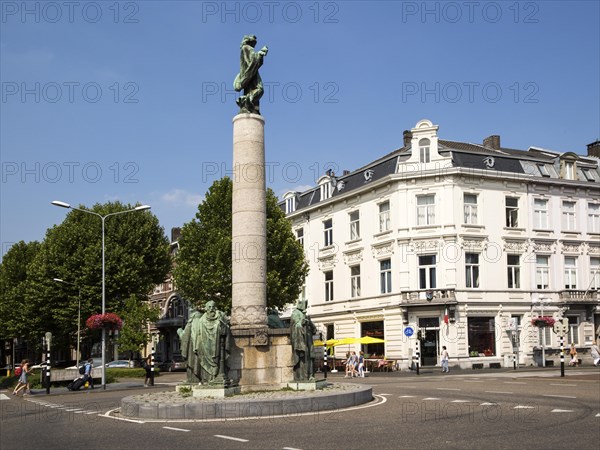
[[562, 410], [459, 401], [598, 415], [562, 384], [514, 382], [524, 407], [447, 389], [430, 398], [290, 448], [473, 381], [73, 409], [498, 392], [175, 429], [231, 438], [558, 396], [385, 394], [407, 396], [4, 397], [488, 404]]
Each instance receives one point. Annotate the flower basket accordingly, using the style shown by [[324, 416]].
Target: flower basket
[[108, 321], [542, 322]]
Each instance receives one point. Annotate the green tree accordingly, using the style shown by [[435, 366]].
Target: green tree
[[203, 264], [136, 259], [14, 310], [136, 315]]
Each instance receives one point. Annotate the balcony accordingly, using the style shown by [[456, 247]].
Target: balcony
[[571, 296], [428, 297]]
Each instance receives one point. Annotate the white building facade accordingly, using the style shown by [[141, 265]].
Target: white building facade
[[464, 243]]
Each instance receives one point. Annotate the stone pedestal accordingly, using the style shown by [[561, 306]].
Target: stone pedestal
[[261, 367]]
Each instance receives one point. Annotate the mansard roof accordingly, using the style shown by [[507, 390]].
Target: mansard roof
[[462, 155]]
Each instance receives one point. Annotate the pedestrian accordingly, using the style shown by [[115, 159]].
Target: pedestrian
[[87, 374], [354, 367], [361, 365], [444, 360], [573, 352], [23, 382], [348, 364], [595, 353], [147, 366]]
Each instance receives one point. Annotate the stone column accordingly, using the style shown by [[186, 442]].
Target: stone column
[[249, 225]]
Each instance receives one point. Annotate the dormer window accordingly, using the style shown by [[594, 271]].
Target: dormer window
[[290, 202], [290, 205], [325, 187], [543, 170], [424, 151], [587, 173], [569, 170]]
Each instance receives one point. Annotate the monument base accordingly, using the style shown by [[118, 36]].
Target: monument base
[[307, 385], [261, 367], [214, 391]]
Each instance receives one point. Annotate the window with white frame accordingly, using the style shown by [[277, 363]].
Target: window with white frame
[[355, 281], [573, 329], [325, 188], [570, 276], [328, 285], [300, 236], [426, 209], [593, 217], [424, 151], [472, 270], [569, 170], [385, 276], [470, 208], [588, 174], [384, 216], [545, 336], [512, 212], [427, 272], [328, 232], [513, 263], [594, 272], [540, 213], [542, 271], [568, 216], [354, 225], [290, 204]]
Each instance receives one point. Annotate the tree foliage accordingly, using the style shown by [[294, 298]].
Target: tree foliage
[[136, 259], [14, 310], [203, 263], [136, 315]]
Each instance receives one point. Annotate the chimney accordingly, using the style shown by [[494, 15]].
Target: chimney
[[175, 233], [346, 172], [407, 137], [492, 141], [594, 149]]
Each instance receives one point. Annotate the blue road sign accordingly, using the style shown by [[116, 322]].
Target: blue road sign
[[409, 331]]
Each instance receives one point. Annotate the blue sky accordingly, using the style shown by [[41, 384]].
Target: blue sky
[[133, 101]]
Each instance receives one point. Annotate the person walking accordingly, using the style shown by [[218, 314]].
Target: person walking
[[23, 379], [444, 359], [147, 366], [361, 365], [595, 353], [573, 352]]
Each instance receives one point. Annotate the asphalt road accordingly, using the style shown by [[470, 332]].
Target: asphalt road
[[468, 410]]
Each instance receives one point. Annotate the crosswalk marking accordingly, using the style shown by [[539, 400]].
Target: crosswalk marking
[[4, 397]]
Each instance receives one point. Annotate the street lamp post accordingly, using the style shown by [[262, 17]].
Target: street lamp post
[[543, 330], [103, 219], [58, 280]]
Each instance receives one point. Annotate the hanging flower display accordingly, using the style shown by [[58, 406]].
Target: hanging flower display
[[109, 321], [543, 321]]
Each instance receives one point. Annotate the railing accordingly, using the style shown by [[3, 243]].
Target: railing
[[579, 296], [425, 296]]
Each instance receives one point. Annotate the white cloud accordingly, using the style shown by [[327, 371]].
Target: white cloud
[[178, 197]]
